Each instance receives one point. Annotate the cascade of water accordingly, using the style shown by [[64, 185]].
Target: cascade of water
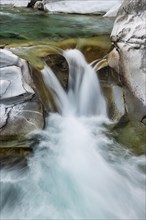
[[84, 96], [84, 89], [76, 171], [54, 86]]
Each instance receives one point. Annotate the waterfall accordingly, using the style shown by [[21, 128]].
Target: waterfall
[[76, 171], [84, 89], [84, 96]]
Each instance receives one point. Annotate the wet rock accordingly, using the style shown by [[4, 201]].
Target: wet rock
[[113, 93], [20, 108], [22, 118], [144, 120], [31, 3], [60, 67], [128, 36], [131, 135], [39, 5]]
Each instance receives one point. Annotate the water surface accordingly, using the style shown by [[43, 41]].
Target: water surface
[[27, 24]]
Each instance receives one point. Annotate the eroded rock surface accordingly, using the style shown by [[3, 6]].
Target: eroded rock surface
[[129, 37], [20, 109]]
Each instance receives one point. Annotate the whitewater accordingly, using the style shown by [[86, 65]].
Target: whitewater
[[77, 170]]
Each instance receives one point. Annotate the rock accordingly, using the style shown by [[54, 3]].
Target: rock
[[16, 3], [113, 93], [128, 36], [39, 5], [144, 120], [7, 58], [22, 119], [31, 3], [131, 135], [79, 6], [12, 75], [114, 60], [60, 67], [113, 11], [4, 84], [20, 108], [117, 102]]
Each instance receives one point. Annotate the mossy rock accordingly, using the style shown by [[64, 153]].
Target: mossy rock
[[131, 134]]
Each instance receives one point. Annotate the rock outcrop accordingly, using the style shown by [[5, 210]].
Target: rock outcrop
[[79, 6], [128, 57], [20, 109], [15, 3]]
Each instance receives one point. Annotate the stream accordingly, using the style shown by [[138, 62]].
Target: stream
[[77, 170]]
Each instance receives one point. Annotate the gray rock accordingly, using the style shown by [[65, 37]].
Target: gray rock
[[7, 58], [115, 101], [113, 92], [21, 119], [128, 36], [13, 76], [20, 109], [39, 5], [4, 84]]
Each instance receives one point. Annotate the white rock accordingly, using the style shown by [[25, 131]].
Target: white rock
[[118, 102], [39, 5], [16, 3], [3, 116], [80, 6], [15, 79], [129, 36], [7, 58], [113, 11], [13, 75], [4, 84], [20, 109]]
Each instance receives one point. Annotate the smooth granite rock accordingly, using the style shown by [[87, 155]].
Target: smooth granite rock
[[20, 108], [129, 37]]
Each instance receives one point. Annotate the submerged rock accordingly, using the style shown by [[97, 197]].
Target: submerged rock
[[128, 37], [20, 109], [131, 134]]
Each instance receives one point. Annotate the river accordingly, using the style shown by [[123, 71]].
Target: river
[[77, 170]]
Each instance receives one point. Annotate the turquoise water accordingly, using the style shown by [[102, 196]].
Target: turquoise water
[[27, 24]]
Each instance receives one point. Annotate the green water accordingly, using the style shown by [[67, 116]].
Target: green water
[[27, 24]]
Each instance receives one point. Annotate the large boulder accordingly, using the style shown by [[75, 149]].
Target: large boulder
[[20, 109], [15, 3], [79, 6], [128, 57]]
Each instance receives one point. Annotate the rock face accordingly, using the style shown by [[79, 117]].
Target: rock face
[[129, 36], [20, 109]]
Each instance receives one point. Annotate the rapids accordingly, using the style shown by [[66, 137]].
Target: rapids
[[77, 171]]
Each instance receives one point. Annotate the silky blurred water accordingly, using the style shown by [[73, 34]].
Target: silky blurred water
[[77, 171]]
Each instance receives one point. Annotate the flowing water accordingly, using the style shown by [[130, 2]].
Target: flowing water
[[76, 171], [23, 24]]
